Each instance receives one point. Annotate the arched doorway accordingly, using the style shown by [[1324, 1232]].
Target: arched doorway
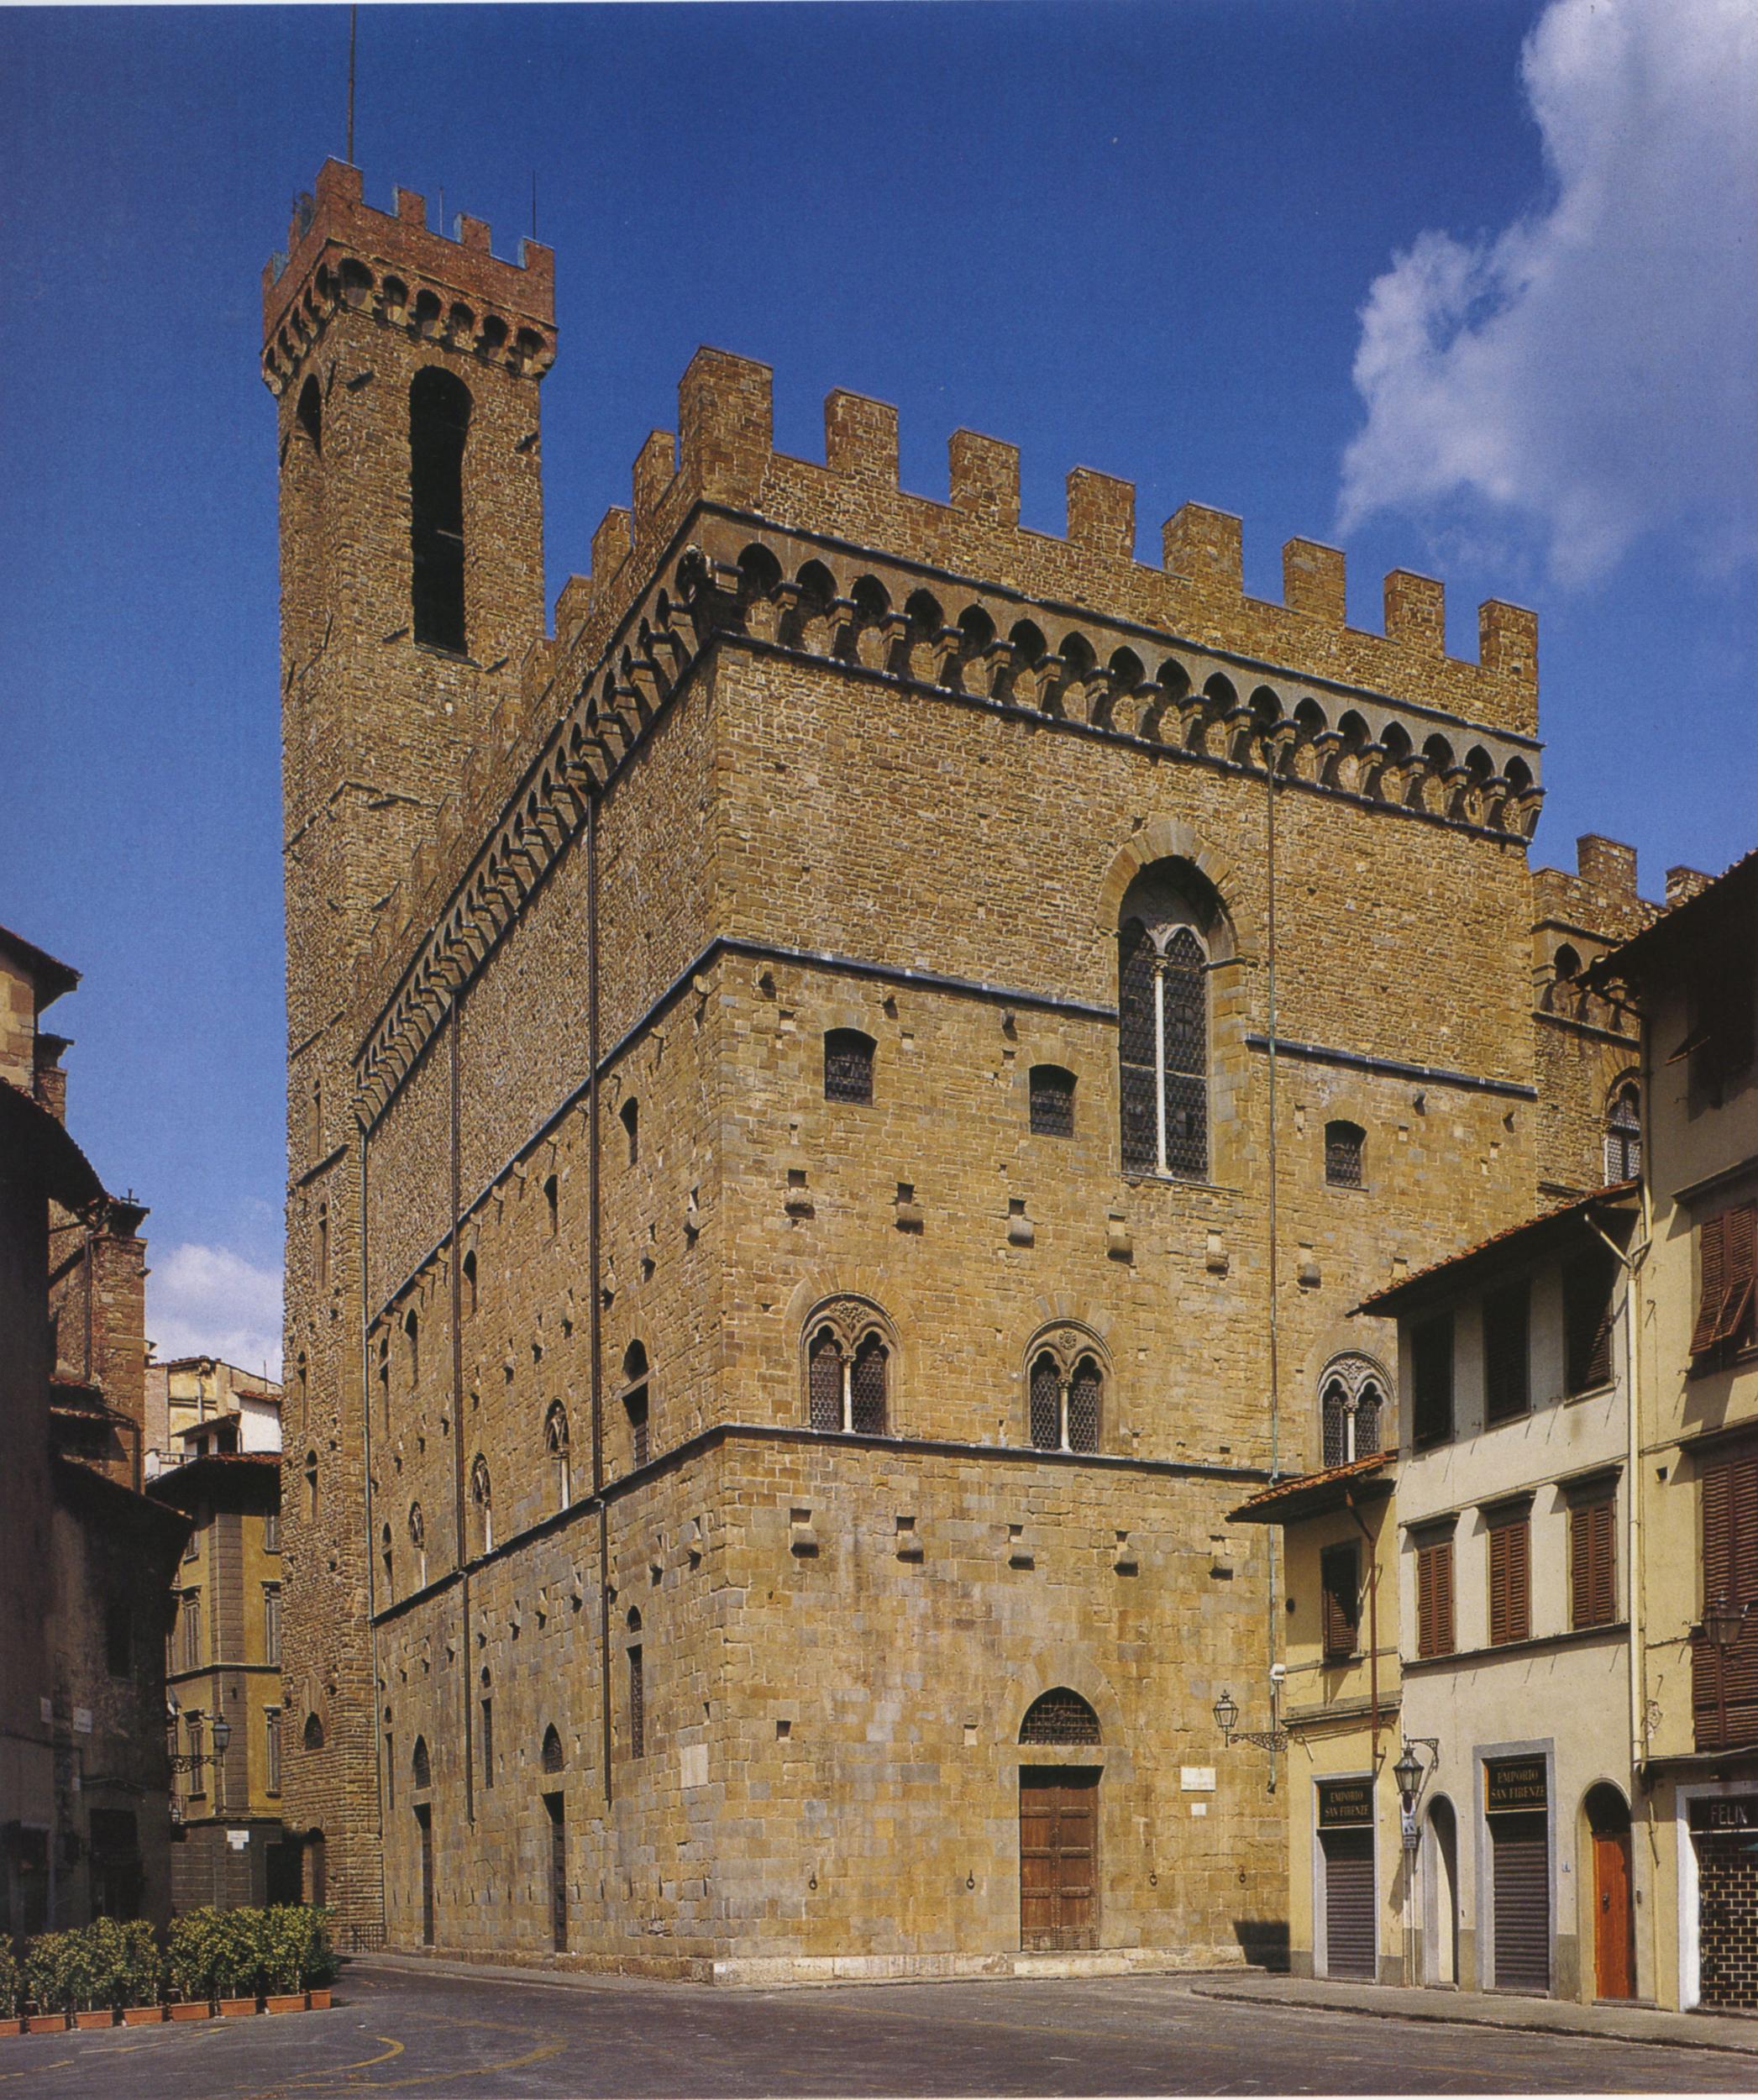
[[1614, 1938], [1440, 1902], [1060, 1828]]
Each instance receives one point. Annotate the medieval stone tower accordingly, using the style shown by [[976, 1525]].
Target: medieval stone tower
[[839, 1107], [406, 369]]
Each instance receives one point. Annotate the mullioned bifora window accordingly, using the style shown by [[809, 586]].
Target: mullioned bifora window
[[847, 1367]]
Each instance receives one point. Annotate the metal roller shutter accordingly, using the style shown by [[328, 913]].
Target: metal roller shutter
[[1522, 1871], [1349, 1903], [1727, 1865]]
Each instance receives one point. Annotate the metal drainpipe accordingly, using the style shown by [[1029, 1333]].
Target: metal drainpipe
[[459, 1506], [372, 1620], [1275, 1352], [1631, 1264], [595, 1311]]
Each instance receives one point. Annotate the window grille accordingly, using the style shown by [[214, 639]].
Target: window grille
[[1046, 1403], [488, 1741], [866, 1388], [1051, 1102], [1061, 1716], [553, 1760], [1624, 1137], [848, 1066], [1084, 1389], [637, 1704], [1164, 1053], [824, 1380], [1367, 1410], [1338, 1427], [1345, 1144]]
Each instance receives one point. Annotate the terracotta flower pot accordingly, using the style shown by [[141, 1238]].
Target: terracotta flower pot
[[317, 2000], [284, 2002], [102, 2018], [142, 2015], [46, 2024], [191, 2009], [237, 2008]]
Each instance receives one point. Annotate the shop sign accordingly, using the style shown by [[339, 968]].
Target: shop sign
[[1512, 1784], [1344, 1803], [1740, 1813]]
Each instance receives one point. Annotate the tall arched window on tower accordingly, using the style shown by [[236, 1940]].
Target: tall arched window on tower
[[1166, 937], [635, 1402], [439, 417], [1065, 1385], [482, 1505], [1624, 1134]]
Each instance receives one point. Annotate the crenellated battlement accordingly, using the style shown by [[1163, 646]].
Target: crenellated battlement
[[391, 267], [725, 540]]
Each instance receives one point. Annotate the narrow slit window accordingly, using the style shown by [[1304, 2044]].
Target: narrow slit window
[[630, 1114]]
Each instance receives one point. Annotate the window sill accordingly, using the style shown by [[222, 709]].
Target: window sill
[[1139, 1177], [445, 654], [1534, 1644]]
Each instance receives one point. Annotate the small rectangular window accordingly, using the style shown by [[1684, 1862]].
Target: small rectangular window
[[1051, 1102], [191, 1647], [271, 1721], [1431, 1371], [272, 1623], [1435, 1595], [271, 1532], [848, 1066], [1340, 1582], [1345, 1147], [488, 1742], [197, 1760], [1593, 1560], [1507, 1383], [1510, 1577]]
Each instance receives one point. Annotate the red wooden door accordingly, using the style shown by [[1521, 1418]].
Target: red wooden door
[[1614, 1936], [1059, 1856]]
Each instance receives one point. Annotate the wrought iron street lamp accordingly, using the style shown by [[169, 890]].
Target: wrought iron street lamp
[[1723, 1621], [1226, 1717]]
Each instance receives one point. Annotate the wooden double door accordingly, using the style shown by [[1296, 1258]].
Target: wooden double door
[[1059, 1856]]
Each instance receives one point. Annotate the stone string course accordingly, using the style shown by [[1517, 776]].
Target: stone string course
[[796, 714]]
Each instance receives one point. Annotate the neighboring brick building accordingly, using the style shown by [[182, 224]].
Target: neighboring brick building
[[850, 1094], [84, 1556]]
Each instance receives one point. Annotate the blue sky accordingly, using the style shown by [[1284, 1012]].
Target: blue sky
[[1352, 269]]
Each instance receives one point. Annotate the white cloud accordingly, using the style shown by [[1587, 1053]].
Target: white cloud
[[1594, 366], [207, 1301]]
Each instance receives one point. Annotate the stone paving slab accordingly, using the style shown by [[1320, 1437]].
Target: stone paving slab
[[1482, 2009]]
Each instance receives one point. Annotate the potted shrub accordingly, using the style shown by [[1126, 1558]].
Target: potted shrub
[[191, 1945], [237, 1959], [281, 1942], [11, 1990], [317, 1957], [137, 1977], [50, 1972]]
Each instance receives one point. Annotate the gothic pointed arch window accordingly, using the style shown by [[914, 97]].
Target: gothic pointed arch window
[[553, 1758], [555, 1444], [1065, 1381], [1355, 1418], [850, 1348], [418, 1542], [635, 1403], [1624, 1134], [421, 1766], [1168, 933]]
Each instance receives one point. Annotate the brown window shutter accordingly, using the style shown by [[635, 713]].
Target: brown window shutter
[[1434, 1597], [1592, 1563], [1520, 1581], [1739, 1261], [1499, 1585], [1444, 1598], [1511, 1590], [1425, 1643], [1605, 1563], [1711, 1237], [1339, 1580], [1581, 1568]]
